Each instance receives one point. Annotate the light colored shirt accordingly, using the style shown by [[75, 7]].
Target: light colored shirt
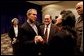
[[16, 31], [33, 26], [48, 28]]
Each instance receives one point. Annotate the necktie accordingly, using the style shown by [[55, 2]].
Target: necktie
[[46, 34]]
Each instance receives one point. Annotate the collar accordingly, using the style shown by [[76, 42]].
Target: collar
[[30, 22], [48, 25]]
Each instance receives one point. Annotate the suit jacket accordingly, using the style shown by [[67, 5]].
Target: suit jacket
[[11, 33], [47, 47], [62, 43], [27, 39], [59, 43], [53, 30], [79, 30], [16, 46]]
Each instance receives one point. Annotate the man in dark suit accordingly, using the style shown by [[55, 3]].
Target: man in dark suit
[[29, 30], [50, 27], [48, 30]]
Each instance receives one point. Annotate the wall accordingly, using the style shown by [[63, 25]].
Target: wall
[[11, 9], [54, 9]]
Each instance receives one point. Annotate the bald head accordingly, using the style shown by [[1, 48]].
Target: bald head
[[47, 16], [80, 3], [79, 8]]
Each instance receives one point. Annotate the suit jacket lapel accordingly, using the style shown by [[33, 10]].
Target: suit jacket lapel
[[30, 28], [13, 32], [51, 32], [43, 27]]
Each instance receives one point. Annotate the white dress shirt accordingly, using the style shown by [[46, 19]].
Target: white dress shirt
[[16, 31], [33, 26], [48, 30]]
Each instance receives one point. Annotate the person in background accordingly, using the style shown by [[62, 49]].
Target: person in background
[[79, 28], [14, 34]]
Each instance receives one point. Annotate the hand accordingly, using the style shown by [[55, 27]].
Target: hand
[[38, 39], [14, 40]]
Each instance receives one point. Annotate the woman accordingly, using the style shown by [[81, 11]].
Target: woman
[[14, 34], [64, 41]]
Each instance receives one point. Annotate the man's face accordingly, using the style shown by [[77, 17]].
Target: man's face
[[47, 19], [79, 8], [32, 17]]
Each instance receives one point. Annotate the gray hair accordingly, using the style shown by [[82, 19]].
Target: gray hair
[[14, 20], [29, 11]]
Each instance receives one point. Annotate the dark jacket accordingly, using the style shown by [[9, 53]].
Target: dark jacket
[[62, 44], [16, 45], [47, 46], [53, 30], [27, 40]]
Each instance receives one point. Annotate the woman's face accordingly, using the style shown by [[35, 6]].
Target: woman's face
[[59, 19], [15, 22]]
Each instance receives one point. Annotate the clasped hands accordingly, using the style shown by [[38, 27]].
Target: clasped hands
[[38, 39], [14, 40]]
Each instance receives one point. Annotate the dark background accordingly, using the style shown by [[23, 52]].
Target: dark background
[[11, 9]]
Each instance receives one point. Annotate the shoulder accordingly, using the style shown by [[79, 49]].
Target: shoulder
[[42, 26], [24, 24], [54, 26]]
